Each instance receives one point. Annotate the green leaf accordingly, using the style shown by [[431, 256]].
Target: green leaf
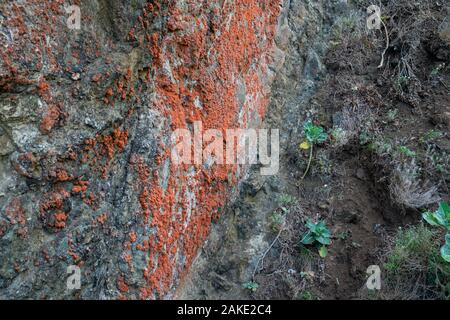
[[311, 226], [308, 238], [444, 210], [314, 134], [324, 240], [440, 217], [323, 251], [253, 286], [445, 252], [430, 218]]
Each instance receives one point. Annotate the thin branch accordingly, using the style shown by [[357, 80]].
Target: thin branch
[[266, 252], [309, 161], [387, 45]]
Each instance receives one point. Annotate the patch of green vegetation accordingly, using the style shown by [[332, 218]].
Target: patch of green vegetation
[[381, 147], [306, 254], [439, 159], [401, 83], [403, 150], [437, 70], [413, 243], [430, 136], [286, 200], [251, 286], [441, 218], [307, 295], [319, 235], [415, 254], [276, 221], [277, 218], [324, 164], [343, 235], [392, 115], [365, 138]]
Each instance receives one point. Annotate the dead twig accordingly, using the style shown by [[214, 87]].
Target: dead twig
[[266, 252], [387, 45]]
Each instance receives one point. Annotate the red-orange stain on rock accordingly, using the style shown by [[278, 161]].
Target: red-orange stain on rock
[[200, 63], [212, 63]]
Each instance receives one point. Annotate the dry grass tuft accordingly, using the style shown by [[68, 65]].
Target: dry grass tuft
[[407, 190]]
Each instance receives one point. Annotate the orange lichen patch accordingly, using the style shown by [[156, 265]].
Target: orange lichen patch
[[16, 215], [89, 199], [128, 258], [109, 92], [31, 22], [70, 154], [53, 200], [60, 175], [120, 139], [15, 212], [76, 258], [71, 251], [97, 77], [114, 142], [80, 186], [102, 218], [212, 66], [77, 189], [144, 203], [122, 285], [133, 236], [51, 209], [49, 119], [24, 48], [99, 151], [122, 89], [43, 87], [53, 114], [60, 220]]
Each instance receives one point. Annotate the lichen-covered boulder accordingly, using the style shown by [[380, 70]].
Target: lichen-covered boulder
[[86, 115]]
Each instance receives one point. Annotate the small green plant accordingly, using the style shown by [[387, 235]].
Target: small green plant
[[406, 151], [252, 286], [307, 295], [276, 221], [402, 83], [278, 217], [319, 235], [392, 115], [441, 218], [286, 200], [429, 136], [437, 70], [381, 147], [314, 135], [343, 235], [365, 138]]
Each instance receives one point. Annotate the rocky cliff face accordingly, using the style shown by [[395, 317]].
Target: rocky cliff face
[[86, 115]]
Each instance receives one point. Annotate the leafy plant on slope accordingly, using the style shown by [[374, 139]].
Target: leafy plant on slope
[[314, 135], [319, 235], [441, 218]]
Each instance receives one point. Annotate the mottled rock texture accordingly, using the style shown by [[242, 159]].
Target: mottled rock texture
[[85, 121]]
